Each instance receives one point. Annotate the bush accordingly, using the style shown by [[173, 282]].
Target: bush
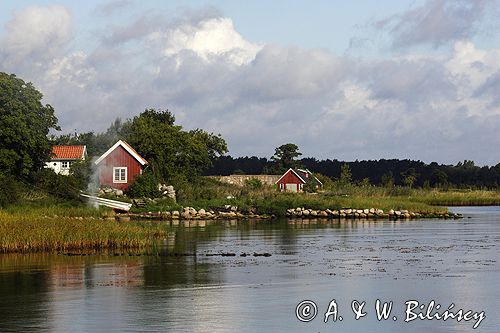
[[145, 185], [63, 187], [9, 190], [203, 188], [82, 171], [253, 183]]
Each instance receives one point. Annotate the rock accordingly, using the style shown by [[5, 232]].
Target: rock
[[175, 213], [379, 212], [404, 211], [234, 208], [372, 210], [118, 192], [305, 212], [192, 211], [398, 213], [366, 211], [298, 209], [362, 215], [359, 211], [313, 213], [335, 212], [348, 211], [323, 213], [202, 212], [391, 212], [169, 188]]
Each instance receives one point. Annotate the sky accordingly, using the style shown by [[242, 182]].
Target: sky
[[347, 80]]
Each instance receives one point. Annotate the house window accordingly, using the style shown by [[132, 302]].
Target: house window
[[120, 175], [65, 164], [282, 186]]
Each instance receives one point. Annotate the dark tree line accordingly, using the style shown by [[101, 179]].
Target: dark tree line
[[378, 172]]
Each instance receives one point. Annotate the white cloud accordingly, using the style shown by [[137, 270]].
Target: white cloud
[[438, 22], [213, 37], [35, 33], [427, 107]]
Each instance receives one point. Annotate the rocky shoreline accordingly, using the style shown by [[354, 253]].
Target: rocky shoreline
[[232, 212]]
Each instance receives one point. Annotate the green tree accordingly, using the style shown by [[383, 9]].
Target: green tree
[[387, 179], [409, 177], [172, 152], [345, 175], [285, 157], [24, 125]]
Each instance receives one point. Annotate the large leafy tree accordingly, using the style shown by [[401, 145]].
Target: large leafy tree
[[285, 157], [24, 125], [172, 152]]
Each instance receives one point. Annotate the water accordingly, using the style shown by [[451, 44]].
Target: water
[[188, 289]]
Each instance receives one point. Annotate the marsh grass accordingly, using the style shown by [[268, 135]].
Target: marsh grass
[[28, 232]]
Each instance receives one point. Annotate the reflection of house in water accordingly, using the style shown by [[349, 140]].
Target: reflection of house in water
[[67, 275], [80, 272]]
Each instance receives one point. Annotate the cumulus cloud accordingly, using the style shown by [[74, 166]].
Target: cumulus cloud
[[437, 22], [430, 107], [35, 33], [209, 38]]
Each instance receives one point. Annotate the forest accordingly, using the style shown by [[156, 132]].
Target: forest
[[382, 172]]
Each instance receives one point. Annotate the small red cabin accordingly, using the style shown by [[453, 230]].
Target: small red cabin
[[294, 180], [119, 165]]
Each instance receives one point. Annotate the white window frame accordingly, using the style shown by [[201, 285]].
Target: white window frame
[[119, 181], [68, 164]]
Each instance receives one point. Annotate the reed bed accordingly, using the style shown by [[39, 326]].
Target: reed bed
[[28, 233], [458, 197]]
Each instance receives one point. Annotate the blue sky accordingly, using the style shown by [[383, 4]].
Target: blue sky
[[346, 80]]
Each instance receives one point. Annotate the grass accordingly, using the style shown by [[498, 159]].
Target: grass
[[53, 225], [267, 200], [29, 232], [458, 197]]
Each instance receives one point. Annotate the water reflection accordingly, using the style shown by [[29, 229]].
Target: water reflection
[[186, 285]]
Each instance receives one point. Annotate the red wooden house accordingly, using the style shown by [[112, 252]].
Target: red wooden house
[[119, 165], [294, 180]]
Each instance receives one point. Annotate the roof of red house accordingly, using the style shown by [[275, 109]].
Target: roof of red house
[[68, 152], [128, 148], [305, 176]]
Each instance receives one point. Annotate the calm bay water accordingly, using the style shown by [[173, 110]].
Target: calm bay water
[[191, 288]]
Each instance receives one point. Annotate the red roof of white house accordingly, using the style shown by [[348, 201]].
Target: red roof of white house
[[128, 148], [68, 152]]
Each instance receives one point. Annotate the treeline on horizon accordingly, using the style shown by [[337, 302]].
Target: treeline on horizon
[[381, 172]]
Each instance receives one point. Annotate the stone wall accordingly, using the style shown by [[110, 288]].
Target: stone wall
[[240, 179]]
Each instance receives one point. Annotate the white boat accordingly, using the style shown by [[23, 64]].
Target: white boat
[[107, 202]]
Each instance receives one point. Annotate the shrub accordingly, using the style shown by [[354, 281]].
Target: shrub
[[203, 188], [63, 187], [145, 185], [9, 190], [253, 183]]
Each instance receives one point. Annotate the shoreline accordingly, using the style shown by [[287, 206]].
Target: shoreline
[[189, 213]]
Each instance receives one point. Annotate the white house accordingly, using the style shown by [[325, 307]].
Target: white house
[[63, 156]]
